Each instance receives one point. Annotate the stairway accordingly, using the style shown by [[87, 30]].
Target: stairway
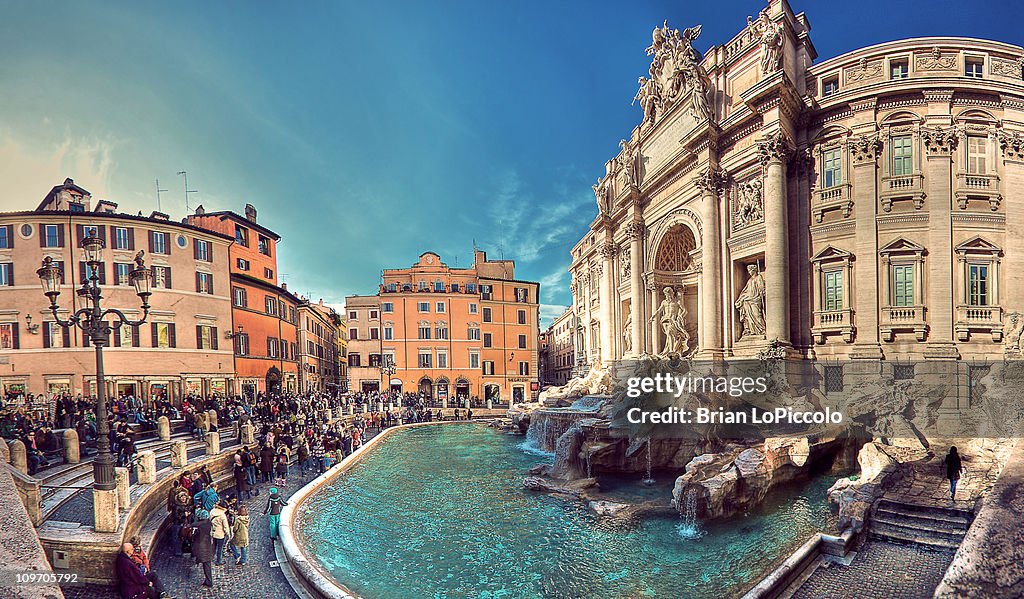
[[922, 525]]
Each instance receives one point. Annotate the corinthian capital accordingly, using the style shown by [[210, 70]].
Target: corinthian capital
[[940, 140], [711, 180], [608, 250], [865, 148], [635, 230], [774, 147]]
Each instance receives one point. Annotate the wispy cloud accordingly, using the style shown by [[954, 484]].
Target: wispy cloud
[[548, 313], [25, 164]]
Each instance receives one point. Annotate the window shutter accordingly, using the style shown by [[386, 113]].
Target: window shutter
[[82, 273], [116, 334], [131, 238], [210, 278], [66, 336], [199, 337], [103, 233], [152, 243], [41, 233], [85, 340], [213, 337], [198, 286], [135, 336], [10, 274], [156, 334], [60, 235], [46, 333], [14, 330], [195, 249], [168, 271], [103, 273], [10, 236], [113, 235], [170, 336], [80, 233]]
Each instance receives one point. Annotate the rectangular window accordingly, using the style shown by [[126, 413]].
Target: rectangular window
[[424, 360], [9, 335], [121, 272], [392, 287], [470, 287], [442, 332], [903, 372], [424, 332], [474, 360], [268, 273], [6, 237], [242, 344], [7, 274], [833, 379], [204, 337], [204, 283], [473, 308], [240, 297], [833, 290], [272, 347], [442, 360], [352, 315], [973, 67], [833, 172], [830, 87], [354, 360], [270, 305], [52, 237], [521, 316], [473, 334], [488, 367], [241, 236], [375, 333], [242, 264], [455, 287], [977, 285], [203, 251], [438, 287], [387, 307], [423, 285], [353, 334], [903, 285], [264, 245], [374, 315], [977, 153], [375, 360], [522, 342], [524, 369], [487, 315], [487, 340], [162, 330], [485, 292], [439, 308], [522, 295], [424, 306], [158, 243], [162, 277], [902, 156], [899, 69], [122, 241], [389, 334]]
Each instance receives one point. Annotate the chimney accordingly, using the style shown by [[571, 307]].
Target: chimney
[[250, 213], [200, 211], [284, 286], [159, 215]]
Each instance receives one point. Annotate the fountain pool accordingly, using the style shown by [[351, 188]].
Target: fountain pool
[[440, 511]]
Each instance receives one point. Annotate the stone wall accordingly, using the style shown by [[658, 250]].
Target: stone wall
[[20, 550]]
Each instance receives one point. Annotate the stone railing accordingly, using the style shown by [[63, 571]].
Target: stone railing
[[979, 186], [979, 318], [903, 318], [902, 187], [833, 322], [836, 197]]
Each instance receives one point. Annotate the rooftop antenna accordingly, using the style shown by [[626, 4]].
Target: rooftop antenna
[[187, 190], [158, 190]]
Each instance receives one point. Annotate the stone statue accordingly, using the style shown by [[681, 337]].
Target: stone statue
[[750, 304], [627, 333], [629, 163], [1014, 328], [671, 315], [771, 43], [749, 203], [649, 96], [138, 259], [603, 196]]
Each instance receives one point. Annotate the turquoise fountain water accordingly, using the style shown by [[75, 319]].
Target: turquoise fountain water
[[440, 511]]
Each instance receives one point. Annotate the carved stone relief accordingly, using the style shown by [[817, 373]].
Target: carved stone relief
[[748, 203]]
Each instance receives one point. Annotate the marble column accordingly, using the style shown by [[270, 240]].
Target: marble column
[[711, 182], [607, 294], [774, 150], [635, 230]]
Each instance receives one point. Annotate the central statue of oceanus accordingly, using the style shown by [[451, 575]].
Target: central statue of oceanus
[[671, 315]]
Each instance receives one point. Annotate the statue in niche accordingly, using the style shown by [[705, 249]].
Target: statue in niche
[[770, 40], [671, 316], [750, 304], [627, 333], [749, 203]]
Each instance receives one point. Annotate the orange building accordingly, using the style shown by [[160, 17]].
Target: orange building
[[265, 314], [451, 333]]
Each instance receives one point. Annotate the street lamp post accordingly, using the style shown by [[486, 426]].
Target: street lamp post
[[387, 370], [91, 319]]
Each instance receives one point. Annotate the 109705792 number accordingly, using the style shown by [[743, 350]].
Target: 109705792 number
[[9, 578]]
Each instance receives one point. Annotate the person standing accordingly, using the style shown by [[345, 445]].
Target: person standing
[[202, 545], [274, 506], [953, 469], [219, 528], [240, 537]]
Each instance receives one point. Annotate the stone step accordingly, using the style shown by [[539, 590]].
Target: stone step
[[953, 518], [925, 509], [55, 476], [935, 527], [899, 534]]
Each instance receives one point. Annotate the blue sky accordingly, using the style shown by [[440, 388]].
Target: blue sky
[[367, 133]]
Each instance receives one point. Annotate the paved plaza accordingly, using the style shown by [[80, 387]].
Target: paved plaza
[[881, 570]]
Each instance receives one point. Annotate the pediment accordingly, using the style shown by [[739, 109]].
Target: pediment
[[831, 253], [977, 245], [901, 245]]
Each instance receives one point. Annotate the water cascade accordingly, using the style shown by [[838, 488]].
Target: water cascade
[[688, 528], [650, 479]]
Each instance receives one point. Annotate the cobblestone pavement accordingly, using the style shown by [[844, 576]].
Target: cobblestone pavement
[[881, 570]]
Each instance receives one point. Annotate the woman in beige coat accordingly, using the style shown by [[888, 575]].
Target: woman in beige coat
[[240, 536]]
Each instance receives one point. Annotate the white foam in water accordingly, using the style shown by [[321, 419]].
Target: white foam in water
[[530, 447]]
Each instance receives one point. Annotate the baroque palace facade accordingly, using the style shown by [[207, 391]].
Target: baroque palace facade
[[450, 333], [866, 207]]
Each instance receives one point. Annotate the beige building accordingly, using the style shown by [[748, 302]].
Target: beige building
[[558, 349], [181, 347], [319, 356], [863, 207]]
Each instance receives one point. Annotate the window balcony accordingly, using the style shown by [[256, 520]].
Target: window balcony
[[837, 197], [980, 319], [833, 322], [977, 186], [902, 187], [903, 318]]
